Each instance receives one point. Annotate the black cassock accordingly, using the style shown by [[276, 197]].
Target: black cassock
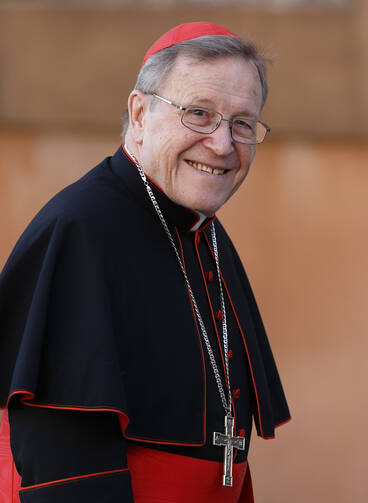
[[95, 316]]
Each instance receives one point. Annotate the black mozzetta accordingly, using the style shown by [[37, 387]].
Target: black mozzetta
[[95, 315]]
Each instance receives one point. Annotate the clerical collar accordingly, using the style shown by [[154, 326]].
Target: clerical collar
[[202, 218], [186, 219]]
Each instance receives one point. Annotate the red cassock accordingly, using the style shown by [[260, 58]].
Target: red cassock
[[163, 477], [156, 477], [9, 477]]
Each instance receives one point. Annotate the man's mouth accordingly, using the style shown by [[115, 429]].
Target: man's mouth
[[203, 167]]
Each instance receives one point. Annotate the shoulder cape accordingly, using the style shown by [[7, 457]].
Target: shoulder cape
[[79, 324]]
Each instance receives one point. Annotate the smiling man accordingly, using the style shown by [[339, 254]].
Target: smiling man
[[198, 171], [134, 359]]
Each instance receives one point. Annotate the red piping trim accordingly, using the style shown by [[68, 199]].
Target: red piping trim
[[205, 226], [123, 418], [31, 396], [213, 320], [185, 444], [199, 339], [282, 422], [164, 442], [188, 209], [276, 426], [210, 304], [70, 479], [245, 345], [127, 153]]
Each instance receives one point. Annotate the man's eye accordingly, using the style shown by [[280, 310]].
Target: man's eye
[[243, 124], [198, 112], [198, 117]]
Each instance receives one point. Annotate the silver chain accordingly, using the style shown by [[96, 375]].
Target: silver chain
[[226, 403]]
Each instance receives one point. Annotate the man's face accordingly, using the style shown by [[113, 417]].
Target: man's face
[[174, 156]]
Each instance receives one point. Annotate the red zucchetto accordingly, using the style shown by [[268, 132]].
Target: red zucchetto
[[183, 32]]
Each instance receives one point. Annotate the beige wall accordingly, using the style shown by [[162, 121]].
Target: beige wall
[[74, 66], [299, 222]]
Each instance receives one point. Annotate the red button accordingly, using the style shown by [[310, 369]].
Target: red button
[[236, 393], [230, 354], [198, 238], [209, 275], [219, 315], [241, 432]]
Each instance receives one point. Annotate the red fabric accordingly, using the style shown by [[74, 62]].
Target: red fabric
[[156, 476], [247, 495], [9, 477], [183, 32], [161, 477], [71, 479]]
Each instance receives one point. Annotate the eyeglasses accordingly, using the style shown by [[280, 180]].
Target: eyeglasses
[[206, 121]]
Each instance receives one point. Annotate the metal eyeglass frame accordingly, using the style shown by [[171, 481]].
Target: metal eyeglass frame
[[230, 121]]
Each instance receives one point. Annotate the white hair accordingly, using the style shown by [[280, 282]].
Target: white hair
[[157, 68]]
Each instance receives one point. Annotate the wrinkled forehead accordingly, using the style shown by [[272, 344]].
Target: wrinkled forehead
[[231, 79]]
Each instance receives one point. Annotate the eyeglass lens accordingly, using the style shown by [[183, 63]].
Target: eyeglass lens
[[206, 121]]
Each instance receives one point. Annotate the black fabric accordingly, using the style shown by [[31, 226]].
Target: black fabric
[[108, 488], [239, 368], [94, 314], [50, 445]]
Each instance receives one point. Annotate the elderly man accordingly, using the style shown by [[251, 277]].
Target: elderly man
[[133, 356]]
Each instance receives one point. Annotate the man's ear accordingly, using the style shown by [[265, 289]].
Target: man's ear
[[138, 107]]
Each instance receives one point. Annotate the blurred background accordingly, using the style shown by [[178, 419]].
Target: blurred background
[[299, 221]]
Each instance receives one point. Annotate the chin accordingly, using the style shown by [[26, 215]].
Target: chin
[[207, 208]]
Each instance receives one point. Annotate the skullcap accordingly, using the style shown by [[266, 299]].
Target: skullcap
[[183, 32]]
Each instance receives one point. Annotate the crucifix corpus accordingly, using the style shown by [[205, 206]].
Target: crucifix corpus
[[229, 442]]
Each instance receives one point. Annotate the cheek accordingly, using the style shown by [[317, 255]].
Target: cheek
[[171, 143], [246, 157], [252, 153], [177, 149], [246, 161], [239, 180]]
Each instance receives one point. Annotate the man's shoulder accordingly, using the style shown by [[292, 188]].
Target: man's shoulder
[[92, 207], [96, 199], [95, 193]]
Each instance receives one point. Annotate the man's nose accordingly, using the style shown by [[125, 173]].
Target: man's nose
[[220, 141]]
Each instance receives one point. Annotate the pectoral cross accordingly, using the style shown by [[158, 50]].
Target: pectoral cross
[[229, 442]]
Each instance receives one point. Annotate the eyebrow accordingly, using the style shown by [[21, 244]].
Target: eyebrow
[[208, 103]]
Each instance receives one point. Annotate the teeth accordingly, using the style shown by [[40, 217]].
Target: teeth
[[203, 167]]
